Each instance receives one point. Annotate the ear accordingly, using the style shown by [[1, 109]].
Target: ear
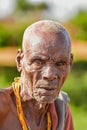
[[19, 59], [71, 59]]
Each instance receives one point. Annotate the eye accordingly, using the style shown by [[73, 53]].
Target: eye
[[38, 62], [60, 63]]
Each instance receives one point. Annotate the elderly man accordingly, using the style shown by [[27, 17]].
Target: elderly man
[[35, 100]]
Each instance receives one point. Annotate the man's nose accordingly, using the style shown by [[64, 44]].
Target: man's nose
[[49, 73]]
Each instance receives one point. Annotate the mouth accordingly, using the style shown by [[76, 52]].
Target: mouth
[[46, 95], [47, 88], [44, 91]]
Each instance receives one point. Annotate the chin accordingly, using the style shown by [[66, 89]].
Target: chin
[[45, 99]]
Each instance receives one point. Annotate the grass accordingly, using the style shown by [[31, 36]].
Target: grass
[[76, 86], [79, 118], [7, 75]]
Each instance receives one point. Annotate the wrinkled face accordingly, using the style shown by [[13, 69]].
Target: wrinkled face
[[46, 64]]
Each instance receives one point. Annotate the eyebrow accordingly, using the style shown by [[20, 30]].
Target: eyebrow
[[38, 57], [63, 59]]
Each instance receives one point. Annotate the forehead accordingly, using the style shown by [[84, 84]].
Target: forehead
[[47, 44]]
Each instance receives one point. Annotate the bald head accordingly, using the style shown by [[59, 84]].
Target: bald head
[[34, 33]]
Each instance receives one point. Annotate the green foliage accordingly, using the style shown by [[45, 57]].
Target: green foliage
[[79, 117], [6, 37], [11, 33], [76, 84], [80, 22], [7, 76], [23, 5]]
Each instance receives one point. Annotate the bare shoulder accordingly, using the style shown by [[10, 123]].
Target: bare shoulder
[[5, 101]]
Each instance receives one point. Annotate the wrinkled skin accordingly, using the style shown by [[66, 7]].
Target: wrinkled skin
[[45, 67], [44, 63]]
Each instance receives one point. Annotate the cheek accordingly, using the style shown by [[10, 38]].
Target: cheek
[[64, 75], [35, 78], [32, 77], [27, 77]]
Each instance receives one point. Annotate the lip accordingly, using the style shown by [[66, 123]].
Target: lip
[[47, 91], [46, 88]]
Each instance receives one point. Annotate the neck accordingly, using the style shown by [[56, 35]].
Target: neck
[[35, 107], [35, 111]]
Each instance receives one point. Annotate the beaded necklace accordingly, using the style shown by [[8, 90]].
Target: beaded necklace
[[25, 126]]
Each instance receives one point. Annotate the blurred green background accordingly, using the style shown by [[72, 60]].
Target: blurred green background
[[11, 32]]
